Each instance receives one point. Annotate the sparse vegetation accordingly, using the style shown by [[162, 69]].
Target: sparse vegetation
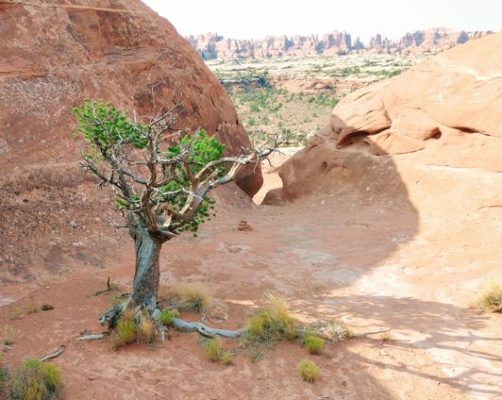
[[36, 380], [188, 297], [313, 344], [271, 324], [309, 370], [215, 352], [10, 334], [491, 298], [32, 308]]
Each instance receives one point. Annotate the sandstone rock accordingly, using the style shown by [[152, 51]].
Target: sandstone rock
[[446, 111], [57, 54], [120, 51]]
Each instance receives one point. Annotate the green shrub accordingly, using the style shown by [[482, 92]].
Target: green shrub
[[309, 370], [313, 344], [36, 380]]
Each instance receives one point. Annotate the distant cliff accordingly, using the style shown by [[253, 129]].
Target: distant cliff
[[212, 46]]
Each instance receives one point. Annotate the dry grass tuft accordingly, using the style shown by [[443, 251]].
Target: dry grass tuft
[[309, 370], [36, 380], [491, 299], [215, 352], [145, 329], [188, 297], [272, 323], [32, 308], [9, 335]]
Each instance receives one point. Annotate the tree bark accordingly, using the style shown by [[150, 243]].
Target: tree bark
[[147, 274]]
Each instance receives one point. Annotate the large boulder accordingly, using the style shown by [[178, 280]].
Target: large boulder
[[55, 54]]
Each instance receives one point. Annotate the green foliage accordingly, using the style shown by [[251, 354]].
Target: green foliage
[[313, 344], [36, 380], [167, 316], [108, 131], [270, 324], [103, 126], [309, 370]]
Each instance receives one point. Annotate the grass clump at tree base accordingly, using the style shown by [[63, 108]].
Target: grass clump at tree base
[[194, 297], [309, 370], [36, 380]]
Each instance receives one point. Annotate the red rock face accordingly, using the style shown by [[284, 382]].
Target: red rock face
[[57, 54]]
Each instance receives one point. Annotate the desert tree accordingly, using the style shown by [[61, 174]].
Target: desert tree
[[160, 178]]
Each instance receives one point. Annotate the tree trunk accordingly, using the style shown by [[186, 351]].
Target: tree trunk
[[147, 274]]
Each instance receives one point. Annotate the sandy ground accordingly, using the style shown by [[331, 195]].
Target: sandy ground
[[369, 266]]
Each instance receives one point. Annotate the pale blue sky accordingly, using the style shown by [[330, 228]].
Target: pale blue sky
[[392, 18]]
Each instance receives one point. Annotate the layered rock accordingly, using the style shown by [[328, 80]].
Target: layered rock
[[57, 54], [212, 46]]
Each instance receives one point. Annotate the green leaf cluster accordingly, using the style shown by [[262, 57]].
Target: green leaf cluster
[[103, 126]]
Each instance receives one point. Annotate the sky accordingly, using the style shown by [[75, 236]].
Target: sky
[[392, 18]]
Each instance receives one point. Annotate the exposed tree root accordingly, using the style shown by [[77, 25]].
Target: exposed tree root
[[98, 336], [54, 354], [204, 330]]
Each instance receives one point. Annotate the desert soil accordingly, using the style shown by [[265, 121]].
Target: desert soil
[[331, 258]]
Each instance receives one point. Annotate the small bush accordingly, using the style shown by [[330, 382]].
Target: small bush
[[309, 370], [313, 344], [125, 333], [214, 351], [189, 297], [491, 299], [272, 323], [36, 380], [167, 316]]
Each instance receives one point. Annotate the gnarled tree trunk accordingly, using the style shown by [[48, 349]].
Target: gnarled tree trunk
[[146, 276]]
